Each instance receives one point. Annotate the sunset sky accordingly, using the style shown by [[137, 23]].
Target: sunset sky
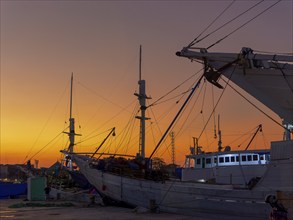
[[44, 42]]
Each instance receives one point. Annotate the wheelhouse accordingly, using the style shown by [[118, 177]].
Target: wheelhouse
[[209, 160]]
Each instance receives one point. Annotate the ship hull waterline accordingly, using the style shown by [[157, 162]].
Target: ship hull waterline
[[176, 196]]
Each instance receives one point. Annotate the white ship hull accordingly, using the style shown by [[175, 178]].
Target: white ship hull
[[236, 175], [189, 198]]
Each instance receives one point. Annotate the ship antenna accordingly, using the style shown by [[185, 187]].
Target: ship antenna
[[220, 136], [140, 63], [71, 85]]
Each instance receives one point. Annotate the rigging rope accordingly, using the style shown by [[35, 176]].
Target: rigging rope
[[88, 138], [227, 23], [194, 41], [217, 103], [254, 105], [175, 97], [285, 77], [127, 130], [204, 94], [179, 131], [215, 126], [177, 115], [195, 101], [182, 94], [243, 24], [115, 116], [47, 144], [265, 141], [102, 97], [248, 135], [172, 90], [46, 123]]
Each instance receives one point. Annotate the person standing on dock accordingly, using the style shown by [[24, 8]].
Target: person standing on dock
[[47, 190]]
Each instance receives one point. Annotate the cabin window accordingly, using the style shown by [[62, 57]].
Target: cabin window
[[198, 161], [208, 161], [227, 159], [267, 157], [221, 160], [261, 157], [249, 158], [243, 157], [232, 159], [255, 157], [203, 163], [237, 158]]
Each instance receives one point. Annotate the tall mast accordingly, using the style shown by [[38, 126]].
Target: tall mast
[[71, 133], [142, 101]]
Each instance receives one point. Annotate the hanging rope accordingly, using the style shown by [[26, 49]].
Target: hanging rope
[[185, 122], [177, 115], [155, 102], [217, 101], [243, 24], [180, 129], [204, 95], [172, 98], [285, 77], [214, 113], [127, 131], [194, 41]]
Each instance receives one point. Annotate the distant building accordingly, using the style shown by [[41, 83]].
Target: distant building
[[3, 171], [12, 172]]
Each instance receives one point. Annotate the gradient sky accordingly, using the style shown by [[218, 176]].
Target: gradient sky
[[43, 42]]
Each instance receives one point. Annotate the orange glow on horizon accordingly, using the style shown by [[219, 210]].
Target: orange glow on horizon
[[99, 42]]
